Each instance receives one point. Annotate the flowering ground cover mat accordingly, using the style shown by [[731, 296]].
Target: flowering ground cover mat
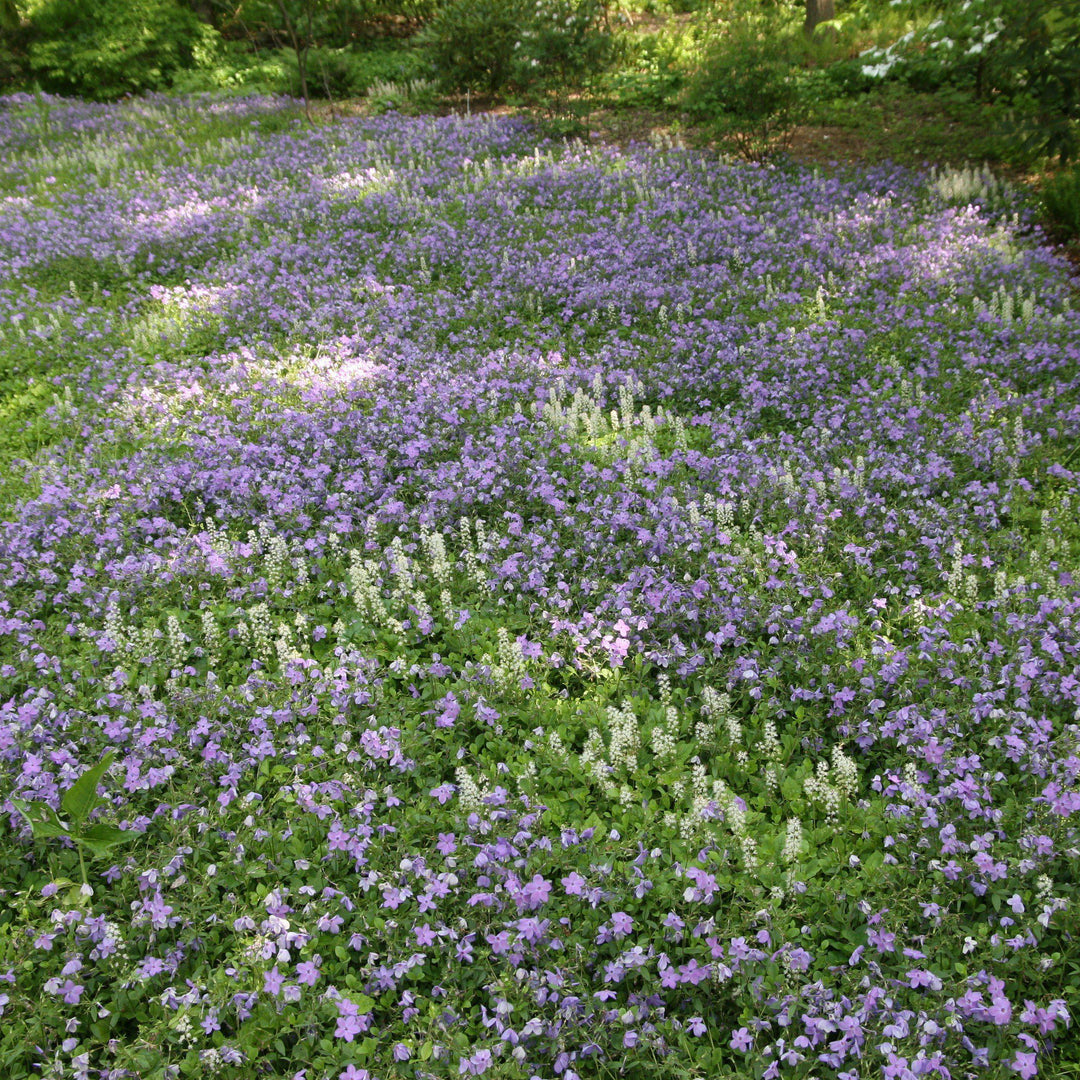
[[473, 605]]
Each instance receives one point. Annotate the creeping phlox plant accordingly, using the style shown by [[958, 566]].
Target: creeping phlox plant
[[476, 606]]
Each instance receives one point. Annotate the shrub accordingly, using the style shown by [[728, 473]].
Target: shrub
[[747, 89], [352, 72], [1061, 202], [471, 43], [236, 69], [116, 47], [1025, 53], [562, 44], [551, 46], [412, 97]]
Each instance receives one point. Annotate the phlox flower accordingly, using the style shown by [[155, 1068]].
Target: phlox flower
[[1025, 1064], [307, 972], [476, 1065], [741, 1039]]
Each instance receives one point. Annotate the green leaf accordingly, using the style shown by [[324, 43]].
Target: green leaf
[[82, 796], [43, 819], [100, 837]]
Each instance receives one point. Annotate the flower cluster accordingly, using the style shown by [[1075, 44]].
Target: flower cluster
[[553, 610]]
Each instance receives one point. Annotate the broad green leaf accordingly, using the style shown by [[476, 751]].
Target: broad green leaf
[[43, 819], [100, 837], [82, 796]]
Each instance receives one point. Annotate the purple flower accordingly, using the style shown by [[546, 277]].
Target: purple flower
[[574, 884], [450, 712], [741, 1039], [799, 959], [307, 972], [476, 1065], [1025, 1064], [534, 893]]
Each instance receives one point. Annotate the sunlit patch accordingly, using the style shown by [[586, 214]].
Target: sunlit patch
[[361, 182]]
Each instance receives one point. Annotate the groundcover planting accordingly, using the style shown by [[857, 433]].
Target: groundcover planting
[[478, 606]]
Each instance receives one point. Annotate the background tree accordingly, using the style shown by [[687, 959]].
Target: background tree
[[292, 23], [817, 12]]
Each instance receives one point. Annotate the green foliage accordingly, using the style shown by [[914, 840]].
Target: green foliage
[[471, 43], [549, 47], [116, 47], [650, 71], [1022, 52], [236, 69], [1039, 70], [1061, 202], [562, 44], [747, 88], [77, 804], [412, 97], [352, 72]]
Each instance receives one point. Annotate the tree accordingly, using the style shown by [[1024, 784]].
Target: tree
[[292, 21], [817, 12]]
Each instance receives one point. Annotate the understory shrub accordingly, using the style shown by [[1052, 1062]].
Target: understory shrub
[[562, 44], [650, 72], [351, 72], [411, 97], [115, 47], [552, 46], [1061, 201], [1025, 53], [471, 43], [237, 69], [747, 87]]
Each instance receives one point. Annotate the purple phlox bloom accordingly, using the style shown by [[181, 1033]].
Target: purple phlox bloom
[[351, 1072], [450, 711], [1025, 1064], [741, 1039], [476, 1065], [307, 972]]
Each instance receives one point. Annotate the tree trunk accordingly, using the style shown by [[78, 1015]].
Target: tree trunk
[[818, 11]]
